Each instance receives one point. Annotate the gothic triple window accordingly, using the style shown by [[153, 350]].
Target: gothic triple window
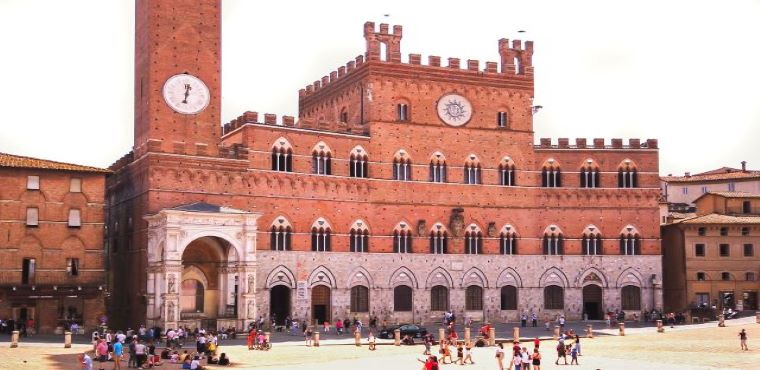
[[591, 242], [358, 164], [630, 243], [282, 156], [280, 235], [508, 240], [553, 242], [402, 238], [321, 159], [507, 172], [589, 174], [320, 236], [439, 239], [551, 176], [627, 175], [359, 237], [473, 240], [437, 168], [472, 170]]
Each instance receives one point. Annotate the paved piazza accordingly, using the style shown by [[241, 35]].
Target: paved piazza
[[702, 346]]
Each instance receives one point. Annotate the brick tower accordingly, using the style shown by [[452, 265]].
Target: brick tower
[[172, 38]]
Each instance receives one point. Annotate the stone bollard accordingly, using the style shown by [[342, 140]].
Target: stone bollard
[[358, 338], [492, 335], [316, 338], [556, 332], [621, 328], [67, 339], [397, 337], [441, 334], [14, 339], [467, 335], [516, 333], [660, 329], [589, 331], [757, 318], [266, 335], [721, 321]]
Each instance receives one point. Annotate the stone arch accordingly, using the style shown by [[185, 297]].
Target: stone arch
[[193, 272], [592, 275], [210, 234], [403, 276], [509, 276], [360, 276], [553, 276], [359, 225], [439, 276], [281, 275], [282, 143], [322, 276], [474, 276], [550, 163], [589, 164], [321, 148], [591, 230], [359, 151], [630, 276], [437, 158], [402, 154], [553, 229]]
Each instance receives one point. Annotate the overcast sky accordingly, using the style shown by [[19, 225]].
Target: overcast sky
[[684, 72]]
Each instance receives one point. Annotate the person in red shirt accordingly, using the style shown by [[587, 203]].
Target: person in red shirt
[[536, 343], [430, 364]]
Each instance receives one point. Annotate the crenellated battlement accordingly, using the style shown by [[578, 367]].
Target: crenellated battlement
[[516, 59], [289, 121], [596, 143]]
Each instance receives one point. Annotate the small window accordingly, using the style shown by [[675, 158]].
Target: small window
[[685, 191], [725, 276], [704, 189], [28, 267], [699, 250], [745, 231], [749, 276], [72, 266], [701, 231], [33, 183], [731, 186], [344, 116], [749, 250], [359, 299], [701, 276], [703, 299], [746, 207], [75, 185], [75, 218], [32, 217], [725, 251], [501, 119], [723, 231], [402, 112]]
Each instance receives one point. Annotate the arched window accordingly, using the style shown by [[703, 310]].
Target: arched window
[[472, 170], [553, 241], [631, 297], [473, 298], [402, 298], [402, 112], [473, 240], [508, 297], [359, 299], [359, 237], [358, 164], [321, 159], [551, 176], [508, 240], [439, 240], [344, 115], [280, 234], [437, 168], [320, 236], [627, 175], [402, 166], [507, 172], [282, 156], [589, 174], [591, 243], [554, 298], [192, 297], [502, 120], [630, 244], [402, 238], [439, 298]]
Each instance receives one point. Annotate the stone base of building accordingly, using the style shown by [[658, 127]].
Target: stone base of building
[[289, 281], [51, 315]]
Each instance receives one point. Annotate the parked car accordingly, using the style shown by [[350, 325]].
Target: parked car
[[414, 331]]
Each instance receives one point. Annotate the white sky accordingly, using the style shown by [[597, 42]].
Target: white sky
[[684, 72]]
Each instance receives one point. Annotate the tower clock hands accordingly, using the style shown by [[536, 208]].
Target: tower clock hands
[[187, 93]]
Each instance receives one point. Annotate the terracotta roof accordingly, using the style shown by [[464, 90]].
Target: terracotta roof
[[17, 161], [715, 218], [715, 175], [735, 194]]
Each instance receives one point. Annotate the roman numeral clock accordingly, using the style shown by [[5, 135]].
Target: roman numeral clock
[[186, 94]]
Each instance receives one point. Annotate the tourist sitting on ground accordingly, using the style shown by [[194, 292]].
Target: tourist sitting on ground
[[187, 363], [174, 358], [184, 356], [212, 360], [196, 363], [166, 354], [224, 360], [407, 340]]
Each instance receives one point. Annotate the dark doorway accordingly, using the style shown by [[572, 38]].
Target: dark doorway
[[592, 302], [320, 303], [279, 303], [23, 315], [750, 300]]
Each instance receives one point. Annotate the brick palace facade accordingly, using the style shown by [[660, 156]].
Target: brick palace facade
[[401, 190]]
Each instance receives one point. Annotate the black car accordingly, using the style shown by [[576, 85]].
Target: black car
[[414, 331]]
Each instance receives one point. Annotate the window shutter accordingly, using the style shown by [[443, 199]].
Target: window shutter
[[32, 216], [33, 183], [75, 186], [74, 218]]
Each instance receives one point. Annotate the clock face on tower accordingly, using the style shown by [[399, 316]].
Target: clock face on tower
[[186, 94], [454, 109]]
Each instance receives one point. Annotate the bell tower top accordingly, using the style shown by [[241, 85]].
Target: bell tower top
[[177, 76]]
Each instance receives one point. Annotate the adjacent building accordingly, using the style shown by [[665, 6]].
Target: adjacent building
[[711, 258], [402, 190], [681, 191], [52, 265]]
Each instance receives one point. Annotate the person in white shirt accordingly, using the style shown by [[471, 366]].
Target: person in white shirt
[[196, 363], [371, 341]]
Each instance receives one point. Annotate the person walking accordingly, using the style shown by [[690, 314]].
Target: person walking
[[743, 340], [117, 352], [561, 353], [307, 335], [574, 355], [468, 354], [517, 361], [536, 358], [500, 356]]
